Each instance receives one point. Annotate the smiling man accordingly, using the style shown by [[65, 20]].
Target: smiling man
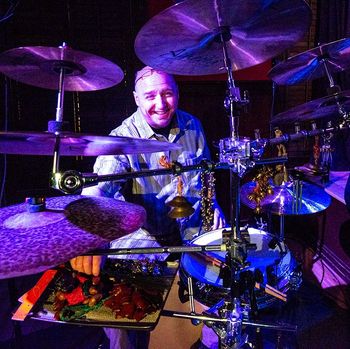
[[157, 118], [156, 95]]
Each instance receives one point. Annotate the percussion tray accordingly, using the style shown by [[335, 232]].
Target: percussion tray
[[103, 315]]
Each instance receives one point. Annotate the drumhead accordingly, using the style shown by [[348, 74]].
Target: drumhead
[[272, 263], [202, 269]]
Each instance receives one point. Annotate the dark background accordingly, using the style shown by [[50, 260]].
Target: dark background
[[107, 28]]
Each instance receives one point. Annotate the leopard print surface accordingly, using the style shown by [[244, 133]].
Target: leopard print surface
[[69, 226]]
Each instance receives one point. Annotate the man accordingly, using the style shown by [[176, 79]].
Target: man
[[157, 117]]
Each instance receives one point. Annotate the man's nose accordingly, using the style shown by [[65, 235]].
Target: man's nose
[[160, 101]]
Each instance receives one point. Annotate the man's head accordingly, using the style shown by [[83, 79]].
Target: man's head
[[156, 95]]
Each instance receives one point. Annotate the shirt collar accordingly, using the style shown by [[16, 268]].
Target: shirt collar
[[142, 124], [149, 133]]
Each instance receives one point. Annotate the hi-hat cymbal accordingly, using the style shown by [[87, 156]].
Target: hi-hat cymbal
[[75, 144], [309, 65], [40, 66], [69, 226], [325, 107], [185, 38], [313, 199]]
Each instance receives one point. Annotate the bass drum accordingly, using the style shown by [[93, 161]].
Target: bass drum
[[271, 260]]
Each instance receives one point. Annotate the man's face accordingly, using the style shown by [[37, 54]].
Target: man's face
[[156, 95]]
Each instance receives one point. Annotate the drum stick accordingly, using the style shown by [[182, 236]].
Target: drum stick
[[274, 290], [271, 291]]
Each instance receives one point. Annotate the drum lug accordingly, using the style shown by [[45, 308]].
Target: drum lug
[[296, 278]]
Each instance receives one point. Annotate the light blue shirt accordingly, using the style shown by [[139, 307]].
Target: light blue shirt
[[154, 192]]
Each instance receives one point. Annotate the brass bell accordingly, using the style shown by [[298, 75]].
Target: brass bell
[[180, 207]]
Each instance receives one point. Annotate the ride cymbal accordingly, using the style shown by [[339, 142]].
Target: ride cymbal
[[185, 38], [310, 64], [40, 66], [75, 144], [282, 201], [69, 226], [326, 107]]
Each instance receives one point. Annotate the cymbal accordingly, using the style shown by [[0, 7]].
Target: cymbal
[[325, 107], [184, 39], [309, 65], [32, 242], [314, 199], [40, 66], [75, 144]]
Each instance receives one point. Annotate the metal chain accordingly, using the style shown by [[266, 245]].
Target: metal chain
[[207, 194]]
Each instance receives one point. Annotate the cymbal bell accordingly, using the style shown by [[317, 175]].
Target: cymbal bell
[[326, 107], [313, 199], [309, 65], [76, 144], [184, 39], [180, 207], [69, 226], [40, 66]]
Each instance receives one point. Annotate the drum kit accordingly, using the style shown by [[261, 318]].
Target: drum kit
[[234, 271]]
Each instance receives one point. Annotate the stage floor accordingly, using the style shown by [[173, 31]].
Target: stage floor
[[321, 324]]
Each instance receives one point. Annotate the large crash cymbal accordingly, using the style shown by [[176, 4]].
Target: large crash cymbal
[[185, 38], [313, 199], [75, 144], [326, 107], [69, 226], [40, 66], [309, 65]]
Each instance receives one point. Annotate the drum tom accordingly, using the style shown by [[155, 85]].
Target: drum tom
[[271, 259]]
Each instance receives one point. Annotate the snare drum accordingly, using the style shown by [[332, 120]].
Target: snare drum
[[273, 261]]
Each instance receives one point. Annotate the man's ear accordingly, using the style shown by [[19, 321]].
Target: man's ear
[[136, 98]]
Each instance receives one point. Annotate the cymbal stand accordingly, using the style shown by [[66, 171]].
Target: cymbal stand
[[237, 153], [332, 85], [233, 101], [228, 324], [225, 320], [326, 153], [334, 89], [57, 125], [317, 167]]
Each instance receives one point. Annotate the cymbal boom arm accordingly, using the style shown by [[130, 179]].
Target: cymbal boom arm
[[304, 133], [153, 250], [72, 182], [213, 318]]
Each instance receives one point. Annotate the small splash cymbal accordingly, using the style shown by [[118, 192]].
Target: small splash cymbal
[[313, 199]]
